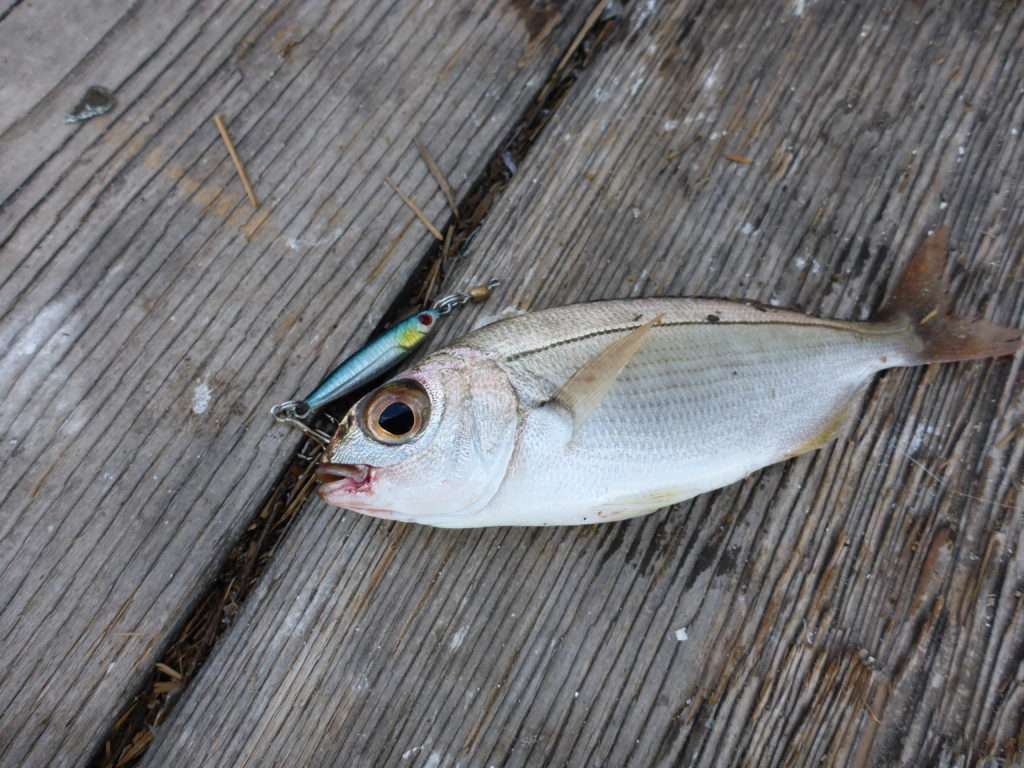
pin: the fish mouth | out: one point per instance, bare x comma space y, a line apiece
343, 478
326, 472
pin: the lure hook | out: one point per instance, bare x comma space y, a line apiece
290, 409
292, 412
453, 301
314, 453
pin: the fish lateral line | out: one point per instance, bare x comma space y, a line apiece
848, 326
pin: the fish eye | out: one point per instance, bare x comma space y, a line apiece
397, 418
396, 413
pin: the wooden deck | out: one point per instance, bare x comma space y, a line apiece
863, 605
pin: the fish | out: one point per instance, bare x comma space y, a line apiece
604, 411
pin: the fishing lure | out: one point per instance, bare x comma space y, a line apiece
384, 351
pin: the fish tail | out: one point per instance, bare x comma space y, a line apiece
922, 297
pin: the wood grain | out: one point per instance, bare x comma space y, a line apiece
150, 317
861, 605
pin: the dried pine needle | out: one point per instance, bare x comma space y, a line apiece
741, 159
415, 209
122, 720
136, 748
439, 177
166, 686
578, 40
432, 281
1005, 439
169, 671
226, 137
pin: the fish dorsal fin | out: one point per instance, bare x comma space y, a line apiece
583, 392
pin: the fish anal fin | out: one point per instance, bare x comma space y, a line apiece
584, 391
828, 431
634, 505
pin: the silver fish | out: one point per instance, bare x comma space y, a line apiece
604, 411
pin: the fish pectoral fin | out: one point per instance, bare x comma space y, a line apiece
584, 391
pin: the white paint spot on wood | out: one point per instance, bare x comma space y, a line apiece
410, 752
637, 79
295, 243
42, 327
457, 639
201, 397
670, 125
921, 435
295, 621
711, 78
799, 6
605, 91
747, 229
681, 635
645, 11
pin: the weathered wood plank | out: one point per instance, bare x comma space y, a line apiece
860, 605
150, 317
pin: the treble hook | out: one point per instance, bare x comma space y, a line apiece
316, 451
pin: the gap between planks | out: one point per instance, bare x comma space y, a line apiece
248, 559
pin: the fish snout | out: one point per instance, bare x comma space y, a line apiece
328, 472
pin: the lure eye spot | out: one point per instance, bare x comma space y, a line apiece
426, 319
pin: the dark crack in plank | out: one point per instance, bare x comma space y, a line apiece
150, 316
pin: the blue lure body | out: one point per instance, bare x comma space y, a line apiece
376, 357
